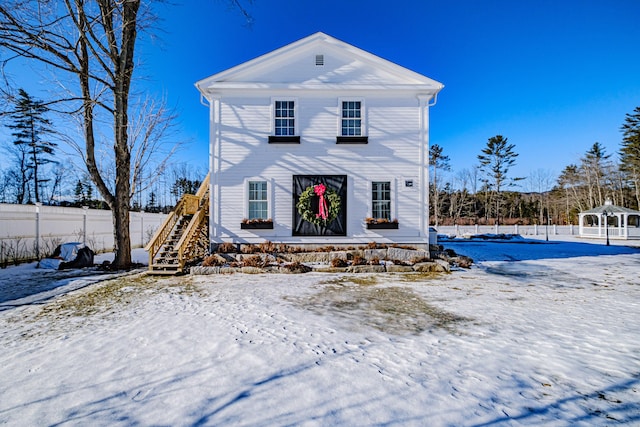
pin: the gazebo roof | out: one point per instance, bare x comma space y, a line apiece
612, 209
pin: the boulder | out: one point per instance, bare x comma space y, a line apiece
199, 270
344, 255
431, 267
394, 268
266, 258
251, 270
444, 265
366, 269
329, 269
370, 254
317, 257
462, 261
406, 254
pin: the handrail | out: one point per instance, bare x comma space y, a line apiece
204, 187
189, 204
192, 229
158, 239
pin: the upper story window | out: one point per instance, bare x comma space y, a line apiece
352, 123
351, 118
284, 122
381, 200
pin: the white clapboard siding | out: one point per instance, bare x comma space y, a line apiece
391, 154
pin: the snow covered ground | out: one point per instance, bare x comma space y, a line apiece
534, 334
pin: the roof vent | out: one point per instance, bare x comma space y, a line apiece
319, 60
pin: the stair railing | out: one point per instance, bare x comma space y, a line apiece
190, 235
189, 204
158, 239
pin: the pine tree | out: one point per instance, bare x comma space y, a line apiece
30, 130
593, 166
79, 193
437, 161
630, 151
495, 161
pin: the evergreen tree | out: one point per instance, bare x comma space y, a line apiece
78, 193
630, 151
30, 130
593, 167
152, 203
495, 161
437, 161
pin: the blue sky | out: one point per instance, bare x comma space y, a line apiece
553, 76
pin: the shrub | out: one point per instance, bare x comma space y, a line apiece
267, 247
297, 267
338, 262
212, 261
226, 248
252, 261
358, 260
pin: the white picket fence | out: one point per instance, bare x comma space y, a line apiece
32, 232
523, 230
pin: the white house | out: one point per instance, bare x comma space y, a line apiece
312, 141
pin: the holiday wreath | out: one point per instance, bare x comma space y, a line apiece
328, 204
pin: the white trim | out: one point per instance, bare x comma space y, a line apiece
364, 128
215, 161
423, 111
314, 43
296, 113
245, 197
393, 195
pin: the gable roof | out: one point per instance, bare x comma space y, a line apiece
612, 209
344, 67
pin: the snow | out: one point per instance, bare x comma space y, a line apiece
535, 333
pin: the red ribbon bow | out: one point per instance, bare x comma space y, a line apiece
323, 211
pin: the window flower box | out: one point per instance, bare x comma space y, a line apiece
256, 224
381, 224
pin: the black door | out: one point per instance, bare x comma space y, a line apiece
306, 204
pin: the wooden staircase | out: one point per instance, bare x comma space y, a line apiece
184, 235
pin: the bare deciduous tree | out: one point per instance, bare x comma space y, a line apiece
94, 41
92, 44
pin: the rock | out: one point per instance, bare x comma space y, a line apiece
406, 254
462, 261
317, 257
366, 269
344, 255
199, 270
266, 258
444, 264
370, 254
393, 268
450, 253
295, 268
251, 270
329, 269
431, 267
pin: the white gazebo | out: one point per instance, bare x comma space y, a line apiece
610, 221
